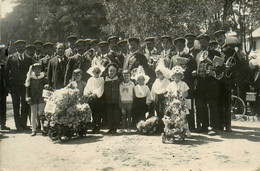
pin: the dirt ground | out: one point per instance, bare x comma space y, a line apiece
239, 150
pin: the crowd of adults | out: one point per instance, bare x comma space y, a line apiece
210, 83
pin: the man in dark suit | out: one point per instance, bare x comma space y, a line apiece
17, 66
207, 89
80, 61
57, 67
226, 83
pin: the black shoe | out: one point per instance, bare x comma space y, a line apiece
228, 129
5, 128
27, 128
201, 130
19, 129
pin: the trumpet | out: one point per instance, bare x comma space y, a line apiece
231, 61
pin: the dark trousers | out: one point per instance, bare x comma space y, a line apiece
2, 108
140, 108
224, 104
113, 116
159, 108
96, 106
190, 117
18, 99
207, 94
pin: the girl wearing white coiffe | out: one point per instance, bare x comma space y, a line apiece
94, 91
158, 90
34, 84
142, 94
181, 86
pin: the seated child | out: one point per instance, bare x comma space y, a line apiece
182, 87
126, 99
158, 90
142, 96
94, 92
34, 84
76, 82
111, 93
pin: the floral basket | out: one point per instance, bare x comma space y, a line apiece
65, 116
174, 118
148, 126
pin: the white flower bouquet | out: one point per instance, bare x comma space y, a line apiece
148, 126
66, 116
174, 118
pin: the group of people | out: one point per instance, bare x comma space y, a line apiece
123, 81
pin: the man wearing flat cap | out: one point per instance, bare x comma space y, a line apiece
71, 46
113, 54
167, 52
49, 53
150, 52
190, 39
134, 58
39, 51
227, 82
30, 51
94, 50
186, 61
78, 61
17, 66
122, 47
207, 88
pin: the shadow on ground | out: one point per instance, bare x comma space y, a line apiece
240, 132
83, 140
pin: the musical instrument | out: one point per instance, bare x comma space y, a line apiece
231, 61
212, 66
153, 59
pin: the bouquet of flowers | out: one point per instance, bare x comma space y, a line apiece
147, 127
174, 118
65, 115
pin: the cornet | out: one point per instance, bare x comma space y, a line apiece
231, 61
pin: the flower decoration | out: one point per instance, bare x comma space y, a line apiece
174, 118
147, 127
67, 117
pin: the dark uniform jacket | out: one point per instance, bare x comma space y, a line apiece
16, 70
77, 62
56, 72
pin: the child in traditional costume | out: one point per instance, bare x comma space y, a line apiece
34, 84
94, 93
158, 91
175, 121
126, 99
112, 98
142, 95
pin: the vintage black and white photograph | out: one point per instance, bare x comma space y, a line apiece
115, 85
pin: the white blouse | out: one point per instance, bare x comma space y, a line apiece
159, 87
95, 86
143, 91
181, 86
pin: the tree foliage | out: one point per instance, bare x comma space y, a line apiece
53, 20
